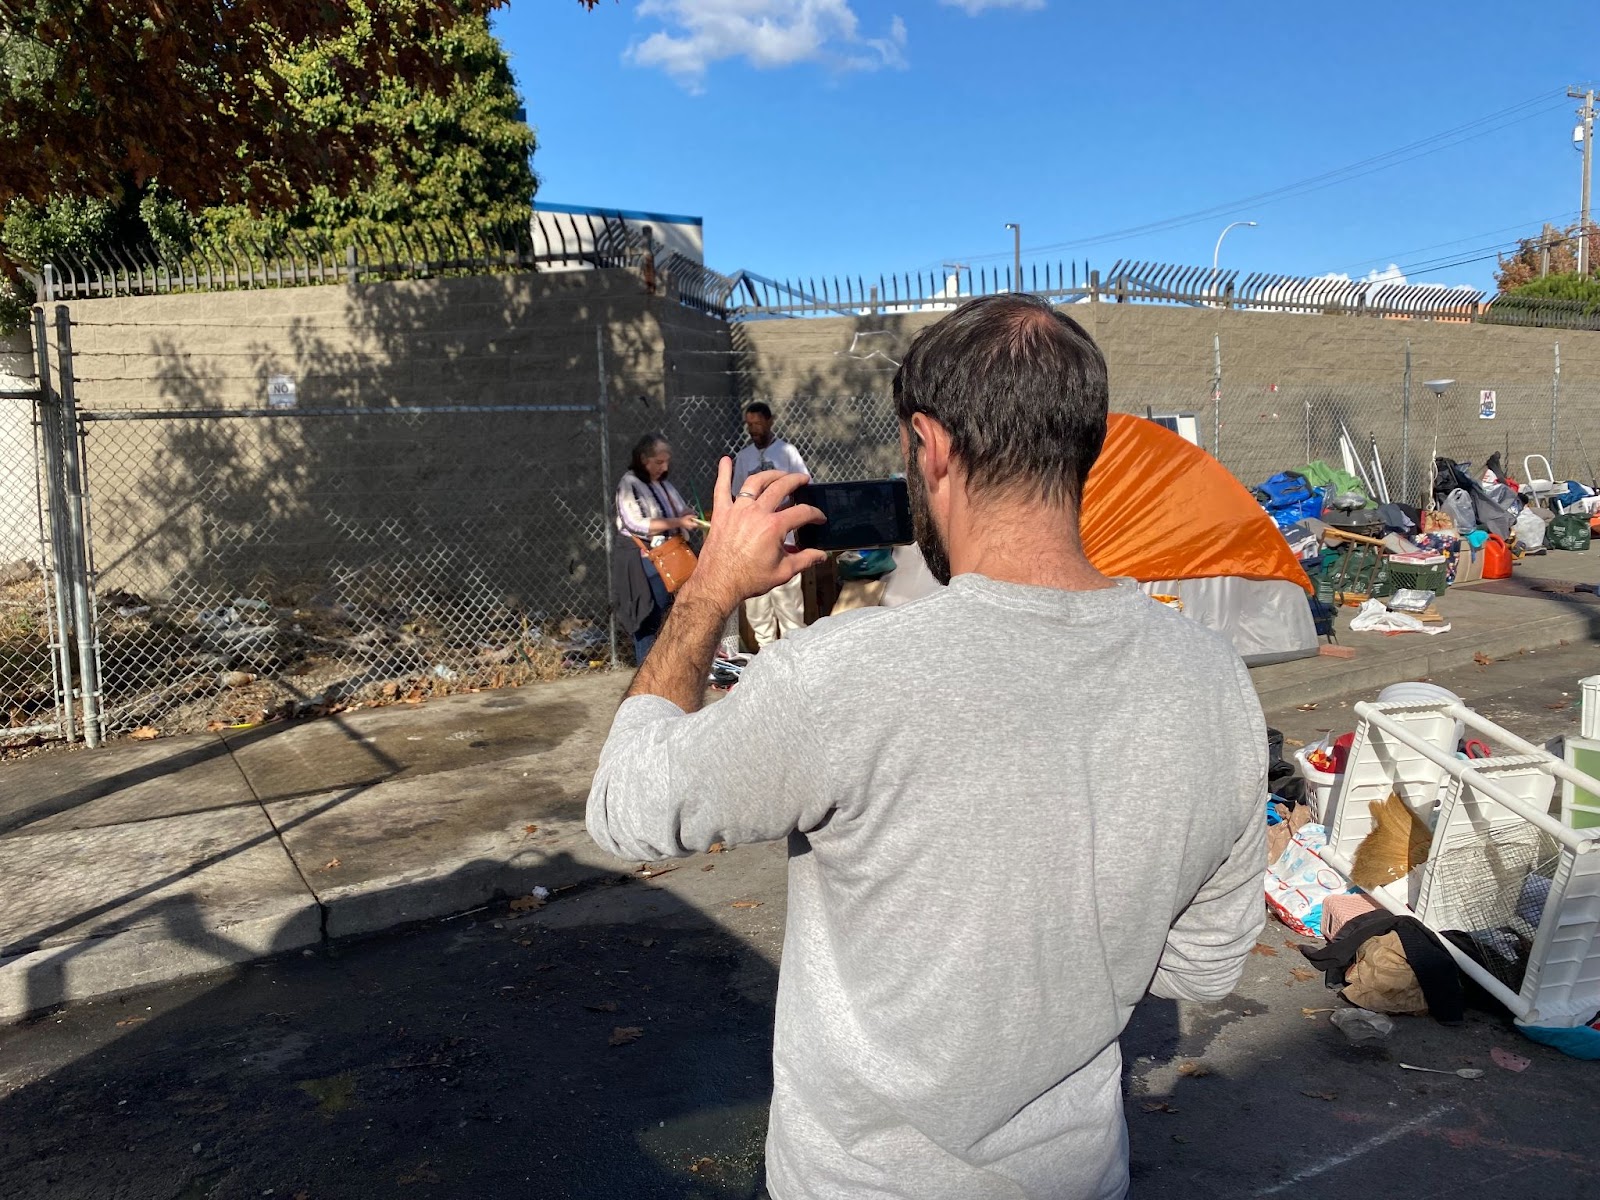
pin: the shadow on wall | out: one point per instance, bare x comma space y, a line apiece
434, 505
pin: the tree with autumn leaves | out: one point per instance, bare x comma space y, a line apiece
159, 123
1547, 266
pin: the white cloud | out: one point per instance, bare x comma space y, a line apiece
973, 7
765, 33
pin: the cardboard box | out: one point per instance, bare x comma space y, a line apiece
1469, 566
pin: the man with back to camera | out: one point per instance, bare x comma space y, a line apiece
986, 871
782, 610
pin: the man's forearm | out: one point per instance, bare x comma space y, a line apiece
679, 662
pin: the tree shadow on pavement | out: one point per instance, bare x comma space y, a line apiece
616, 1043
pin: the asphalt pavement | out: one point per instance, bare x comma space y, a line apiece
614, 1042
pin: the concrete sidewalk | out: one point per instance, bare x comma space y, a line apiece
150, 861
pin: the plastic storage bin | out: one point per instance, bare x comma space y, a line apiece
1320, 785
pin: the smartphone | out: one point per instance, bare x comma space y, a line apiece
861, 516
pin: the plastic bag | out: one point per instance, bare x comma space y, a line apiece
1530, 529
1375, 617
1568, 532
1299, 881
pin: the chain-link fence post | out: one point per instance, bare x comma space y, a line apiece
603, 402
83, 616
1555, 406
1216, 396
51, 439
1405, 430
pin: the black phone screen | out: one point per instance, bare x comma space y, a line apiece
861, 516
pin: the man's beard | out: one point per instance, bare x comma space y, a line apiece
929, 542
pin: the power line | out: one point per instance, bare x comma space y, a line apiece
1479, 127
1379, 259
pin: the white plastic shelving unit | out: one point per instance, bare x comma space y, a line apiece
1409, 749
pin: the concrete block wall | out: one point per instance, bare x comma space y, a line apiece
19, 498
1273, 367
272, 505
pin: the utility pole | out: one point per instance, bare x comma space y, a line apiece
1016, 256
1586, 115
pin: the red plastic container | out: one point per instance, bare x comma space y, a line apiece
1496, 558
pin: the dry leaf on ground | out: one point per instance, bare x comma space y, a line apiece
1263, 949
126, 1021
715, 848
709, 867
1161, 1106
747, 904
1303, 974
701, 1164
528, 903
1194, 1070
1482, 659
1508, 1060
1307, 707
332, 864
145, 733
530, 829
623, 1034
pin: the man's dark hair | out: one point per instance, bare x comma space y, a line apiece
643, 449
761, 409
1020, 387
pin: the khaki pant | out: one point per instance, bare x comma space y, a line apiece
782, 610
859, 593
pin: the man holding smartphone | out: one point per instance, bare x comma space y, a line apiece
781, 611
986, 874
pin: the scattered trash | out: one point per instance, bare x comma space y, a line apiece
746, 904
126, 1021
440, 671
1375, 617
1307, 707
1311, 1014
1464, 1072
530, 829
715, 848
237, 679
1362, 1025
1193, 1070
701, 1164
1508, 1060
623, 1034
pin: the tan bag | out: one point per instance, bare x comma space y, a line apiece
674, 561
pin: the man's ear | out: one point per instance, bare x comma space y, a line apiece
931, 441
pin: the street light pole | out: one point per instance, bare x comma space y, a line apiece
1217, 250
1016, 256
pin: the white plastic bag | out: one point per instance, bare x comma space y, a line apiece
1529, 528
1375, 617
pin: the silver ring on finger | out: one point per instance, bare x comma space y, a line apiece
745, 496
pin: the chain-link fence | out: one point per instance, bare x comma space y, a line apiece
266, 536
840, 437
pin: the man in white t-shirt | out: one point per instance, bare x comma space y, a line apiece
782, 610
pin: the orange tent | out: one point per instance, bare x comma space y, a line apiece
1158, 507
1163, 512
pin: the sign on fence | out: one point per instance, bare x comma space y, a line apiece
1486, 404
281, 392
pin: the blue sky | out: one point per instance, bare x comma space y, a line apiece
865, 136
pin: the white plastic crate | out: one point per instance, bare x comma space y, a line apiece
1589, 692
1500, 868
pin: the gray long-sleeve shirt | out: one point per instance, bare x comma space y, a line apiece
1011, 811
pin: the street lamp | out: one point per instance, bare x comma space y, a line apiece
1438, 387
1016, 255
1217, 250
